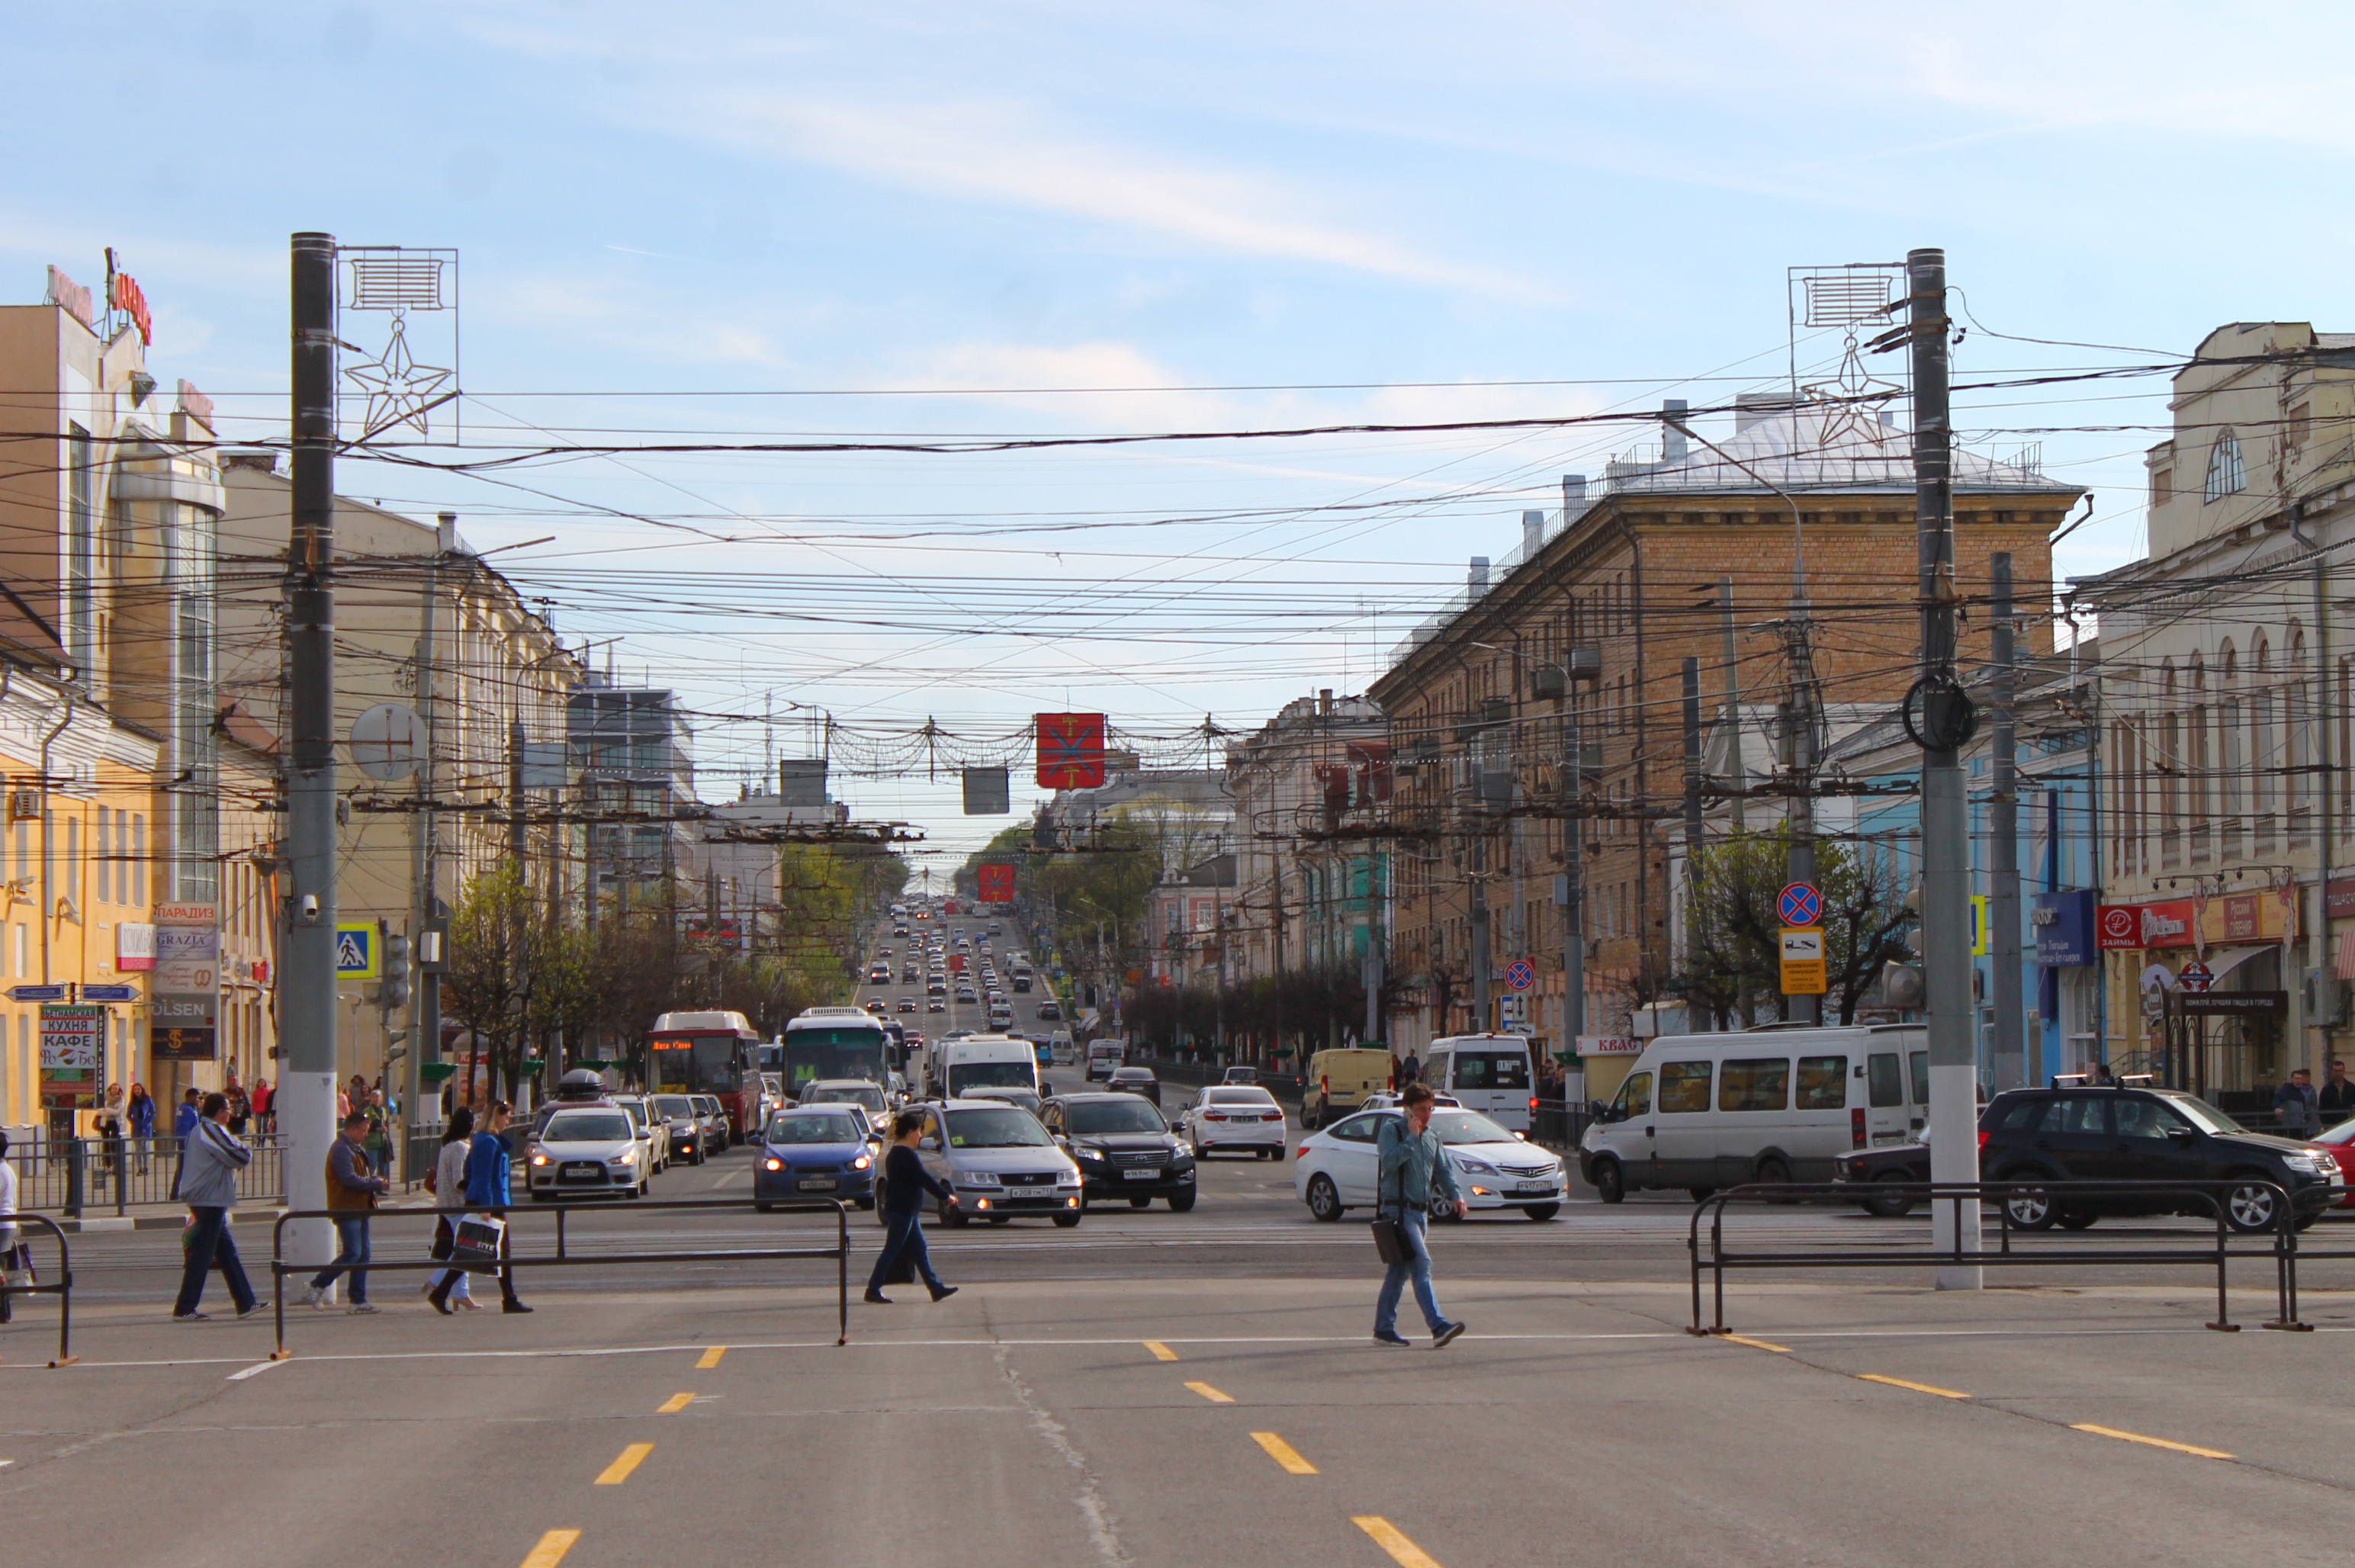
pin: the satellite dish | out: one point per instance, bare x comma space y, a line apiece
387, 741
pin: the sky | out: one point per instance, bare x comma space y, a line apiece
741, 223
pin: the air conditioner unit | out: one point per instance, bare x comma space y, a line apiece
1585, 663
1548, 681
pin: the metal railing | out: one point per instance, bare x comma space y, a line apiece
1559, 1126
563, 1257
1968, 1249
61, 1286
77, 1175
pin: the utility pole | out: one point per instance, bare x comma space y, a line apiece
1736, 774
1939, 712
306, 989
1570, 891
519, 832
1799, 737
1481, 1023
425, 990
2008, 1066
1693, 771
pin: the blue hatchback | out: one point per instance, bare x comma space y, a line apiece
817, 1151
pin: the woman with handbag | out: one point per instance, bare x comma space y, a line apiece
1410, 1163
447, 1182
486, 1186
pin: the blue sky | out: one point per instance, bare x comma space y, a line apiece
971, 203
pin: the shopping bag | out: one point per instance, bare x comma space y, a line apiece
476, 1245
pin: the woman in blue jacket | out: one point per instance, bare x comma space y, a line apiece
486, 1186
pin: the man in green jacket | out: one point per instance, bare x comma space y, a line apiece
1412, 1163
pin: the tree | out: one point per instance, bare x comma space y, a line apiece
1733, 949
491, 938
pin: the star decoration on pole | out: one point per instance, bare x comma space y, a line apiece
399, 390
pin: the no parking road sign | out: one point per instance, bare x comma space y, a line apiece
1520, 974
1801, 904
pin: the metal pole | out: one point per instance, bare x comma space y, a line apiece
1799, 857
1572, 893
306, 991
425, 985
2326, 781
1693, 771
1941, 715
1480, 961
1736, 774
2008, 1066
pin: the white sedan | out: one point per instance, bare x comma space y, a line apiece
1233, 1116
1494, 1169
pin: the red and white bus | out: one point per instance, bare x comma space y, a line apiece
708, 1054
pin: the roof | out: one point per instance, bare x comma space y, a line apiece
1814, 447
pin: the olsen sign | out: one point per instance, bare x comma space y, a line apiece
2172, 923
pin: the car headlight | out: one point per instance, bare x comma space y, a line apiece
862, 1162
628, 1156
979, 1178
1474, 1167
539, 1158
1080, 1151
773, 1164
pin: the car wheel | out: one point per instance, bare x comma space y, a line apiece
1181, 1202
764, 1208
1542, 1210
1610, 1182
1140, 1203
956, 1218
1324, 1199
2031, 1212
2250, 1206
1067, 1222
1440, 1209
1700, 1194
1772, 1172
999, 1219
2078, 1219
864, 1202
1892, 1206
2305, 1221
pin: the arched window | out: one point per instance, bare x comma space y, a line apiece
2224, 473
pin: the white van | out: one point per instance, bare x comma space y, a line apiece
1706, 1111
1484, 1073
986, 1062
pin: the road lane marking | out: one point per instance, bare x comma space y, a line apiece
552, 1548
1213, 1396
1284, 1453
1755, 1344
710, 1358
675, 1404
1391, 1539
2151, 1442
619, 1470
1161, 1352
254, 1371
1917, 1388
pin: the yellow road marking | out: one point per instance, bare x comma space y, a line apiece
1283, 1453
619, 1470
2152, 1442
675, 1404
552, 1548
1917, 1388
1755, 1344
1161, 1352
1213, 1396
710, 1358
1391, 1539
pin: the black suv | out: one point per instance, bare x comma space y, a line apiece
2123, 1135
1124, 1148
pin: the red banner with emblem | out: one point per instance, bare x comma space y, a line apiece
1071, 751
994, 882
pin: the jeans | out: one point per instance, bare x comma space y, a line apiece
1411, 1223
210, 1245
904, 1232
352, 1253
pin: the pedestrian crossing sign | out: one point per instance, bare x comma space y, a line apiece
355, 950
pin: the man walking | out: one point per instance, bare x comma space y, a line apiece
209, 1160
486, 1186
2337, 1094
351, 1193
184, 1120
905, 1182
1411, 1162
2296, 1108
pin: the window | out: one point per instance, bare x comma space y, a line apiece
1684, 1086
105, 847
1887, 1084
2225, 476
1920, 1062
1634, 1097
1358, 1129
2025, 1115
2076, 1114
1823, 1083
2162, 485
82, 531
73, 860
2148, 1119
1758, 1084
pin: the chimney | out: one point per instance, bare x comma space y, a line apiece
1532, 534
1752, 408
1573, 495
1325, 701
1477, 579
1672, 440
446, 532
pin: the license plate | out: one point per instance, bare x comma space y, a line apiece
582, 1170
1140, 1175
1537, 1187
817, 1184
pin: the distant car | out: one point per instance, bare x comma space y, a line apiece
1135, 1080
1335, 1167
1022, 1097
2340, 1141
1000, 1162
871, 1098
1240, 1075
653, 1133
880, 1004
935, 1005
712, 1117
686, 1128
906, 1005
1884, 1167
1391, 1100
1047, 1009
587, 1151
1124, 1148
1233, 1116
820, 1151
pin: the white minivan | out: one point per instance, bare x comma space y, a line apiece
1484, 1073
1780, 1103
986, 1062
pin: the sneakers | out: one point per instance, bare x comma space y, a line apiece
363, 1309
315, 1298
876, 1298
192, 1316
250, 1311
1392, 1342
1447, 1336
944, 1292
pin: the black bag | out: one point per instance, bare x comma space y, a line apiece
1390, 1240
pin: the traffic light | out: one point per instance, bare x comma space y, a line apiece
392, 991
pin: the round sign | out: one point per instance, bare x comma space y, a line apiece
387, 741
2194, 976
2118, 924
1520, 974
1801, 904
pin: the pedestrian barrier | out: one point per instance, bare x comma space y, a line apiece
563, 1257
1967, 1199
75, 1176
61, 1287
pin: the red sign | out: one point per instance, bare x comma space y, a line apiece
1071, 751
74, 298
996, 881
2195, 976
124, 294
2165, 924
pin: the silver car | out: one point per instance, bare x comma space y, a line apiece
685, 1127
587, 1151
1000, 1162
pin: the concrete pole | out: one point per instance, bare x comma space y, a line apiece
1941, 714
1572, 893
2008, 1068
1481, 1022
306, 989
1736, 774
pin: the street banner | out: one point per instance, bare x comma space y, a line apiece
72, 1037
1071, 751
995, 882
1803, 970
987, 792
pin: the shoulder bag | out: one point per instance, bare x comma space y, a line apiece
1389, 1230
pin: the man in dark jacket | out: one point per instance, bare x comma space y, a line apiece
351, 1193
2337, 1094
905, 1182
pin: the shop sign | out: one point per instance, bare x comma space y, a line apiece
72, 1037
2165, 925
73, 297
2063, 923
124, 294
1609, 1045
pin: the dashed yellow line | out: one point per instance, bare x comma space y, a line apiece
1213, 1396
2151, 1442
619, 1470
1284, 1453
675, 1404
1392, 1539
1161, 1352
710, 1358
1917, 1388
1755, 1344
552, 1548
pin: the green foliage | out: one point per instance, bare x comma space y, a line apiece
1733, 959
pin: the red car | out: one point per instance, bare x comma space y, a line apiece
2340, 1141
